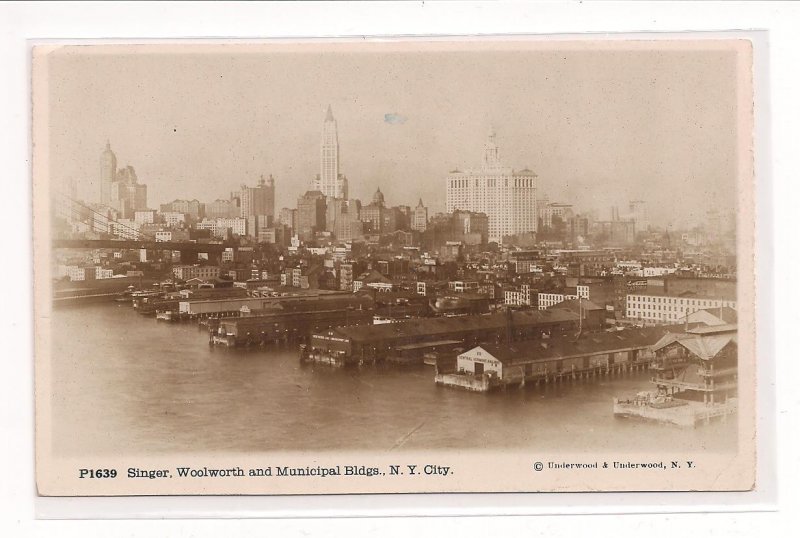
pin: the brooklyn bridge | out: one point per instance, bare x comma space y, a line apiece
128, 237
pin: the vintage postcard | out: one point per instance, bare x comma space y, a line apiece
396, 266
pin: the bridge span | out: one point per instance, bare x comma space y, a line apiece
182, 246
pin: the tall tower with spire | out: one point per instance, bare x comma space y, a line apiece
331, 183
419, 218
108, 173
491, 151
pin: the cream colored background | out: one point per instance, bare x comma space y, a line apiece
496, 471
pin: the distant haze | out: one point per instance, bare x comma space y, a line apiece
599, 127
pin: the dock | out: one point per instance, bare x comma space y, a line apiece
557, 358
678, 412
696, 379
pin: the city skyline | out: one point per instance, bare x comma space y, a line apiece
402, 136
340, 236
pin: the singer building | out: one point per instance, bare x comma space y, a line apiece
506, 196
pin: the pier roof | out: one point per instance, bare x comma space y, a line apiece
427, 327
704, 343
566, 346
725, 314
584, 305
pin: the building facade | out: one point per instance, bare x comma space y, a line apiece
191, 208
330, 181
224, 209
146, 216
561, 212
108, 171
222, 227
519, 296
186, 272
120, 188
288, 217
311, 210
506, 196
258, 201
660, 308
419, 217
374, 215
470, 227
637, 212
546, 300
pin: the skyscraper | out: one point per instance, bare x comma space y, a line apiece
637, 212
330, 182
127, 194
373, 215
311, 209
120, 188
506, 196
419, 218
258, 201
108, 172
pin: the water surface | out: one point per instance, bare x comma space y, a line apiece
132, 384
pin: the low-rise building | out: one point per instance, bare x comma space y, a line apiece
520, 296
462, 286
145, 216
548, 299
657, 307
203, 272
173, 218
489, 366
422, 288
171, 235
100, 273
346, 276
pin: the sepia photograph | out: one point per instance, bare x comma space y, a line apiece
442, 265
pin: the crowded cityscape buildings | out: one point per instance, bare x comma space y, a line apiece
501, 242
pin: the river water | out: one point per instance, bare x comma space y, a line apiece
132, 384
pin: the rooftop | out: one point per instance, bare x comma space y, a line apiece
659, 292
704, 343
573, 305
568, 345
426, 327
713, 329
725, 314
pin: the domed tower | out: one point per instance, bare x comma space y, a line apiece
108, 173
378, 199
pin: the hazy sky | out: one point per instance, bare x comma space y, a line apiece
599, 127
